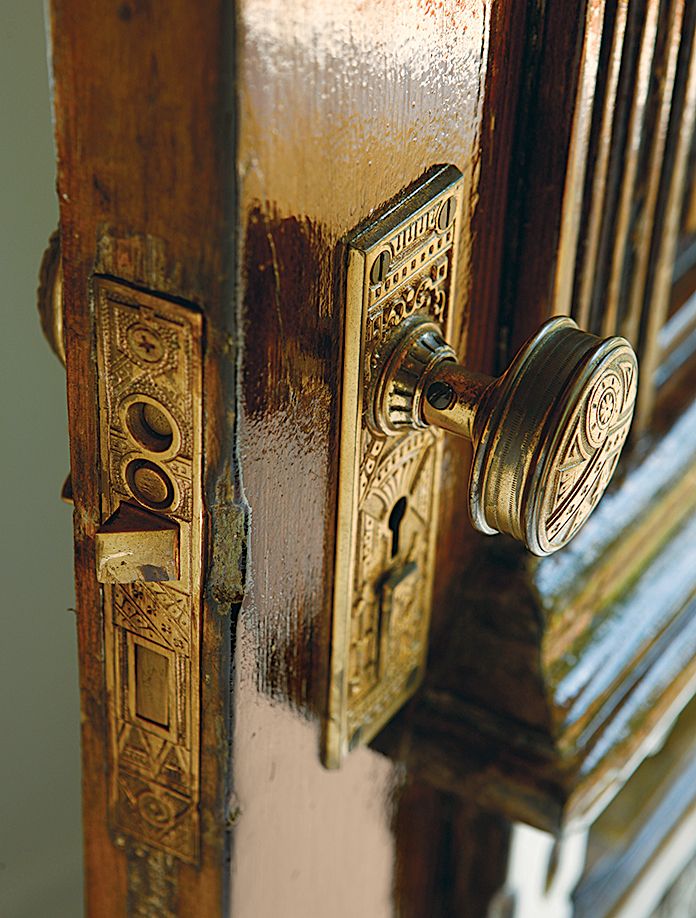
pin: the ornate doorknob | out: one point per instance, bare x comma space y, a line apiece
50, 296
546, 435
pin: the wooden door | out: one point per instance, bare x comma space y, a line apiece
212, 157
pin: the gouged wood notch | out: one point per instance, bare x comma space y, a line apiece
149, 353
402, 264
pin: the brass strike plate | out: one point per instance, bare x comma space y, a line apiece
402, 264
149, 355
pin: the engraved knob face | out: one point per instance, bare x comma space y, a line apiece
547, 434
549, 439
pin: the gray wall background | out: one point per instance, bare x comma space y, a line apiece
40, 831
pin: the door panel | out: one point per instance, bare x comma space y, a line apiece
176, 104
216, 157
399, 88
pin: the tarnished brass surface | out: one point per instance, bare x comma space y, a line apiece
547, 434
401, 266
149, 353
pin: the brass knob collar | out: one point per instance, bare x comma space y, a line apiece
409, 359
469, 390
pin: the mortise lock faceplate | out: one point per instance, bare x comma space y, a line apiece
148, 554
147, 550
402, 265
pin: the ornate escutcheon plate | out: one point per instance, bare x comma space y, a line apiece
404, 263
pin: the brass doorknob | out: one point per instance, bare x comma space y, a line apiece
546, 435
50, 296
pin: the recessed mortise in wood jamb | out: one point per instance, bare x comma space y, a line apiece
402, 264
149, 354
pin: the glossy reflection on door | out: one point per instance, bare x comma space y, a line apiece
342, 107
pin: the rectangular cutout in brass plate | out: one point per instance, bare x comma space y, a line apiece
149, 357
402, 264
151, 670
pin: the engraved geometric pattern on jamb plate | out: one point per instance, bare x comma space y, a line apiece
157, 816
152, 347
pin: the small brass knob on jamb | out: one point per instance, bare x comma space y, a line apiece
50, 297
546, 435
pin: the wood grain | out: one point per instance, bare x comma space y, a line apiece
145, 166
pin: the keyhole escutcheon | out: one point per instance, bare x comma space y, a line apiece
395, 519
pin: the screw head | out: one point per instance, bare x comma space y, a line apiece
145, 343
380, 268
446, 215
440, 395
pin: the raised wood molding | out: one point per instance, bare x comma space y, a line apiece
556, 677
546, 695
595, 200
645, 838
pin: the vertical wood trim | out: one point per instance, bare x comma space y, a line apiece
629, 176
577, 160
145, 140
601, 170
105, 868
549, 135
630, 327
503, 83
609, 262
659, 290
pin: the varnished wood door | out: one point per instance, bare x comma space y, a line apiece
213, 156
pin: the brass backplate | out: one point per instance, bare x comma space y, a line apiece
149, 353
404, 263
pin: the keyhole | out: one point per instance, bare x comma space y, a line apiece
395, 520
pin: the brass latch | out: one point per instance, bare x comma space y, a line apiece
135, 545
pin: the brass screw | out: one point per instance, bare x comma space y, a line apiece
440, 395
446, 215
380, 268
145, 343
